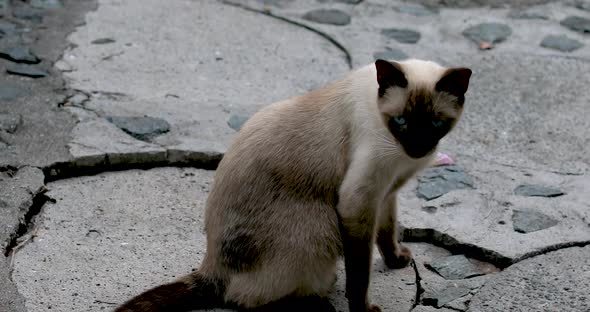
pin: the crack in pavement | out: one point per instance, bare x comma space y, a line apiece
74, 168
419, 288
26, 225
446, 241
324, 35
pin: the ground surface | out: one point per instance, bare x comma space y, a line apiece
106, 159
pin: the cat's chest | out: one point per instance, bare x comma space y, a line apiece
392, 172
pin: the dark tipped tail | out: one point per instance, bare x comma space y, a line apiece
195, 291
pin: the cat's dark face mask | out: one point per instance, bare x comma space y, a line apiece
427, 115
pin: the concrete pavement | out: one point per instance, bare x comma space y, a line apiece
143, 84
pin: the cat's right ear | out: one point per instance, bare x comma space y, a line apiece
389, 74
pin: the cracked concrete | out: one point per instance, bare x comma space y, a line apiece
198, 64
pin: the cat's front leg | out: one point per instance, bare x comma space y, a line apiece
357, 216
392, 251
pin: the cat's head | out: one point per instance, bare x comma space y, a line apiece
420, 102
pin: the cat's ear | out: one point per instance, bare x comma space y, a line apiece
389, 74
455, 81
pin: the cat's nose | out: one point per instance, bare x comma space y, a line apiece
420, 149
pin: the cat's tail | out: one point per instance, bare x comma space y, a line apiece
194, 291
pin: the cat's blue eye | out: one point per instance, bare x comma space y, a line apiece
437, 123
399, 120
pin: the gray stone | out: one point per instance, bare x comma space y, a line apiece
142, 128
7, 28
430, 209
328, 16
437, 181
456, 267
236, 121
19, 54
10, 92
415, 9
422, 308
444, 296
28, 13
103, 41
561, 43
468, 221
391, 54
31, 71
345, 1
95, 140
523, 14
488, 32
43, 141
582, 5
9, 122
436, 290
577, 23
556, 281
402, 35
47, 4
526, 220
537, 190
461, 303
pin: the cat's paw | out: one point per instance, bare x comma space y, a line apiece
373, 308
400, 259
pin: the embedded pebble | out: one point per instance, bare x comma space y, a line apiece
19, 54
103, 41
537, 190
391, 54
561, 43
47, 4
583, 5
142, 128
328, 16
488, 33
28, 13
7, 28
521, 14
10, 92
437, 181
26, 70
401, 35
342, 1
527, 220
415, 9
236, 121
457, 267
577, 23
446, 295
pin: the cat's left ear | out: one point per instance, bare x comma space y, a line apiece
455, 81
389, 74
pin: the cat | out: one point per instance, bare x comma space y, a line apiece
312, 178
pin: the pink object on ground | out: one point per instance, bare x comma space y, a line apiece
443, 159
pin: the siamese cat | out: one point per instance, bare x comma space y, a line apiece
313, 178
